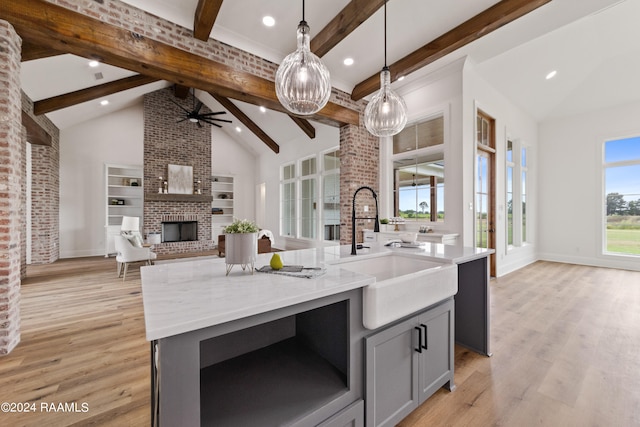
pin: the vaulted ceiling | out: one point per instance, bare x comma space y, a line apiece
423, 35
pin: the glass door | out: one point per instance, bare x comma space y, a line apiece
485, 187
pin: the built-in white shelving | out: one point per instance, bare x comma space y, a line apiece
123, 197
222, 205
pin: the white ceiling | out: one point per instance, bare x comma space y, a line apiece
592, 45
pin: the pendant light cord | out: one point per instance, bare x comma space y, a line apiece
303, 20
385, 34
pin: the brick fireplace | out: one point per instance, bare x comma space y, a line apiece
167, 142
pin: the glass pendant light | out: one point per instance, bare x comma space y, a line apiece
303, 83
386, 113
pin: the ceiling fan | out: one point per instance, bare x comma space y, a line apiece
194, 116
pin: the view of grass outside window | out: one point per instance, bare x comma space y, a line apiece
622, 196
509, 199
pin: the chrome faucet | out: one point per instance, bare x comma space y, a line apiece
376, 225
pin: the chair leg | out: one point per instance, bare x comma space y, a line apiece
119, 268
124, 276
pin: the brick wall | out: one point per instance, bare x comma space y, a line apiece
167, 142
11, 193
45, 191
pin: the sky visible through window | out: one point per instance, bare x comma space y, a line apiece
623, 179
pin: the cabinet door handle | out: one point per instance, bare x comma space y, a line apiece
426, 343
419, 349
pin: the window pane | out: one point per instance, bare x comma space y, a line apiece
427, 133
622, 200
524, 157
509, 205
524, 206
288, 172
308, 166
332, 160
430, 133
509, 151
331, 206
622, 149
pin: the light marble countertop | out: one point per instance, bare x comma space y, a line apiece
180, 297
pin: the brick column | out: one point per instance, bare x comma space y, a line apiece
10, 186
359, 160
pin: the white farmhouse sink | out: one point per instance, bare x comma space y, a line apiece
403, 286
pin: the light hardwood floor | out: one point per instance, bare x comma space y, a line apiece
565, 339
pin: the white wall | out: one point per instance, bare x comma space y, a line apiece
571, 185
228, 157
327, 137
84, 149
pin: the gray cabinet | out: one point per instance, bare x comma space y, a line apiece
408, 362
472, 306
352, 416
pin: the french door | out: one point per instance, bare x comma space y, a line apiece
485, 186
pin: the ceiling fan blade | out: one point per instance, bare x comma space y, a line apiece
199, 124
181, 107
212, 114
196, 110
186, 118
217, 120
211, 123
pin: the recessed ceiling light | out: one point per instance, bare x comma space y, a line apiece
262, 109
269, 21
551, 75
238, 129
104, 102
93, 64
401, 78
348, 61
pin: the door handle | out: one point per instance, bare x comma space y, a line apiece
419, 349
426, 343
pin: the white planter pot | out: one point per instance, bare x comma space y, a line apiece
241, 248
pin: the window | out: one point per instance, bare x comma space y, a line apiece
301, 190
516, 193
308, 196
331, 195
524, 194
288, 201
622, 196
418, 166
509, 200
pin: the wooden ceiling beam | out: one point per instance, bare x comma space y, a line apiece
205, 17
59, 102
35, 133
55, 27
349, 18
245, 120
305, 126
180, 91
480, 25
32, 51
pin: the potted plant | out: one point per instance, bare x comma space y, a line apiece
383, 223
241, 244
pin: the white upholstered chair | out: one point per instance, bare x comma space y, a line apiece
126, 253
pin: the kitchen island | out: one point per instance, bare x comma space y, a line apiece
265, 349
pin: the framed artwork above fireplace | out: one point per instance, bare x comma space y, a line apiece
180, 179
